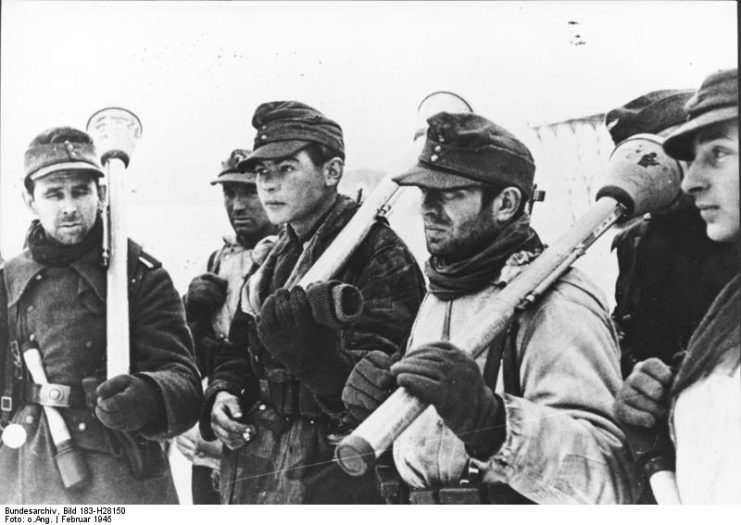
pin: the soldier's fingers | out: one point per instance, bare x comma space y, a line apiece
422, 387
657, 369
421, 367
231, 407
632, 416
643, 404
646, 385
113, 386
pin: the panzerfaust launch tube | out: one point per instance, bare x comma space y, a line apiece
641, 178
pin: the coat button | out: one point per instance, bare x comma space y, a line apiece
38, 277
29, 309
82, 427
29, 420
89, 344
261, 407
311, 421
263, 137
438, 148
433, 158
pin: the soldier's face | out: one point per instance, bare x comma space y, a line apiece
712, 180
246, 214
293, 189
66, 203
456, 224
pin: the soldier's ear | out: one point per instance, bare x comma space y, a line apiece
29, 201
102, 192
332, 171
507, 203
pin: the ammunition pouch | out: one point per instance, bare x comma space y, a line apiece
287, 396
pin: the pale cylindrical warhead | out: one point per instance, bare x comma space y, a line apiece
115, 132
641, 176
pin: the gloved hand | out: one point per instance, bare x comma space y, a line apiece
129, 403
369, 384
334, 304
642, 399
447, 378
206, 293
287, 329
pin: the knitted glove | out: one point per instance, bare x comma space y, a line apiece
206, 293
642, 399
447, 378
308, 350
130, 403
369, 384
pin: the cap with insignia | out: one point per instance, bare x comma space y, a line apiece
230, 171
285, 127
650, 113
465, 149
715, 101
59, 149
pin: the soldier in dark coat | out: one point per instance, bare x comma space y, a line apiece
670, 271
53, 298
276, 404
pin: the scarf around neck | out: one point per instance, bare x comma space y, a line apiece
48, 251
451, 280
716, 341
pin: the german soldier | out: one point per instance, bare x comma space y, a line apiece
213, 297
52, 299
278, 406
532, 421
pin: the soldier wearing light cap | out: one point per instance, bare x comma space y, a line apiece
531, 420
701, 400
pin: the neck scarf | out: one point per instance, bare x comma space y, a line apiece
50, 252
716, 341
451, 280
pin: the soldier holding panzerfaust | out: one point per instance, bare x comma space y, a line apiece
275, 398
531, 420
53, 301
213, 298
670, 271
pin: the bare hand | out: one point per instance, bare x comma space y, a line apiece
224, 415
642, 399
187, 443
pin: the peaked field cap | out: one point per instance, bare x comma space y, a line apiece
59, 149
285, 127
465, 149
650, 113
229, 169
715, 101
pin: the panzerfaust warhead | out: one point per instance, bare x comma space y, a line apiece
115, 132
641, 178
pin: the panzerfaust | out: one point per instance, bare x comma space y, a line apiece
115, 132
641, 178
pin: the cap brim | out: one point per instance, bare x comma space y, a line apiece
247, 177
65, 166
429, 178
679, 144
272, 150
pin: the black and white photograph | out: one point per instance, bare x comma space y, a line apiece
370, 253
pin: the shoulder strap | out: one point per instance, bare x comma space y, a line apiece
503, 350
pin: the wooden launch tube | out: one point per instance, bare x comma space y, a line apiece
641, 178
115, 132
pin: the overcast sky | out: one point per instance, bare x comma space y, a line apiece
195, 71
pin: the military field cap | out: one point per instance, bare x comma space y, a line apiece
716, 101
60, 149
285, 127
649, 113
230, 171
465, 149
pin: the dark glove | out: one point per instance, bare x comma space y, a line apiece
642, 399
446, 377
641, 409
130, 403
206, 293
287, 329
369, 384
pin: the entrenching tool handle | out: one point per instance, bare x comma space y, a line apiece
70, 462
